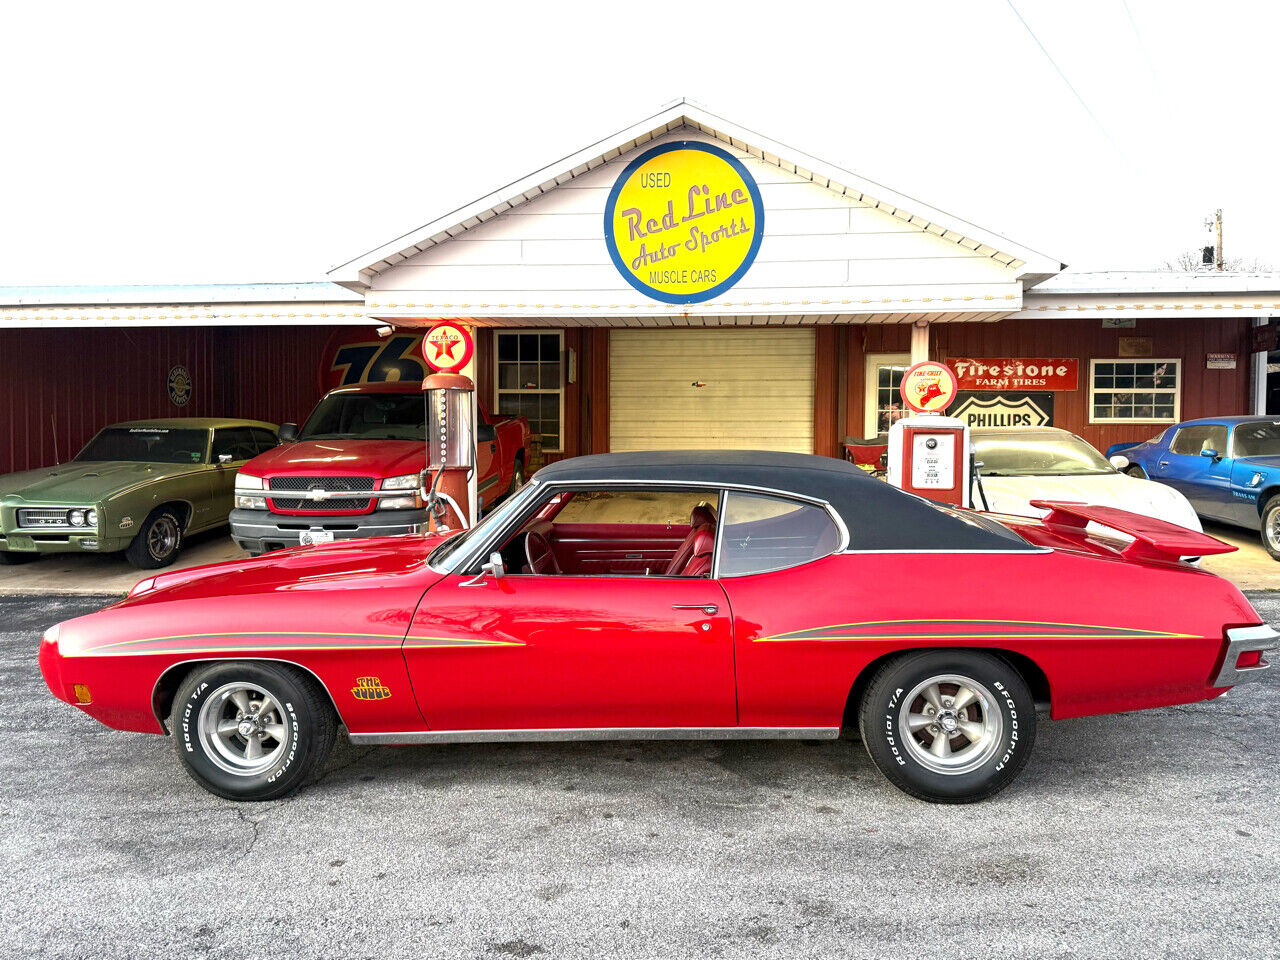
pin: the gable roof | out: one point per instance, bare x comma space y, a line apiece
1031, 266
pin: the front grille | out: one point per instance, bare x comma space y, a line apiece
42, 517
328, 485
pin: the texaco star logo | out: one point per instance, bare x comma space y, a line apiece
447, 346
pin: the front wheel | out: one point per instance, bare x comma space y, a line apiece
158, 542
251, 730
1136, 472
948, 726
1271, 527
517, 477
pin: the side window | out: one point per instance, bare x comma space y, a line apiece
1189, 440
670, 507
237, 441
1217, 439
263, 440
762, 533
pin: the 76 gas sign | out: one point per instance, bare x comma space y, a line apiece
348, 362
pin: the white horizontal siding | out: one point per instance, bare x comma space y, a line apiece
817, 245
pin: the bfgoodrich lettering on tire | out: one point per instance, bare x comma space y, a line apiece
949, 726
251, 730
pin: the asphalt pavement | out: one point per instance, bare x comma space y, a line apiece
1138, 835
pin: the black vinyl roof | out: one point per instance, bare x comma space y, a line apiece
878, 516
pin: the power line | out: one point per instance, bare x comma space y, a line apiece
1070, 86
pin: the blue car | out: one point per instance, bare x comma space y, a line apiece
1228, 467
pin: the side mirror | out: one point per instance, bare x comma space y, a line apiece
495, 567
224, 458
1118, 461
288, 432
1211, 454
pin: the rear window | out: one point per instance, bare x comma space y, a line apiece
762, 533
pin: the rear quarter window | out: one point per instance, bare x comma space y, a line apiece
762, 533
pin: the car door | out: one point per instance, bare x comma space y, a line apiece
239, 444
1204, 481
527, 651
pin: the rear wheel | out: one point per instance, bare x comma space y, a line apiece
948, 726
517, 476
251, 731
1271, 527
158, 542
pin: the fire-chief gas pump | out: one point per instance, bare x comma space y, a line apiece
929, 454
451, 417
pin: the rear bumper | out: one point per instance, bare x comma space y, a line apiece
1242, 640
259, 531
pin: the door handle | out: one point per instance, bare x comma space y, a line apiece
1164, 463
710, 609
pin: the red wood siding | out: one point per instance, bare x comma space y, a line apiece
62, 386
1205, 393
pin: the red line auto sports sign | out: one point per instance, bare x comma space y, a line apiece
1016, 373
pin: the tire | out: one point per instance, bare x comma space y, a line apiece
971, 770
1137, 472
158, 541
517, 476
294, 736
1270, 532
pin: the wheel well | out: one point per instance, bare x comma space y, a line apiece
167, 685
182, 507
1036, 680
1266, 495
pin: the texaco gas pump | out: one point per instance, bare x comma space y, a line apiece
929, 454
450, 491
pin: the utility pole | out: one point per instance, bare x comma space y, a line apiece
1217, 218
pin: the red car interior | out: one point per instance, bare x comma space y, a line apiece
584, 549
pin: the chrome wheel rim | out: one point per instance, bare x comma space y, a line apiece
162, 537
951, 724
242, 729
1273, 530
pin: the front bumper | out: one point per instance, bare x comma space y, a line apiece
1243, 640
59, 541
259, 531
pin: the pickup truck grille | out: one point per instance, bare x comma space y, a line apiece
302, 489
42, 517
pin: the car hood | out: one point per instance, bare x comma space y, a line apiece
88, 482
1146, 497
330, 566
326, 458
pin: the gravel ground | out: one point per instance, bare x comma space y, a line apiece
1136, 835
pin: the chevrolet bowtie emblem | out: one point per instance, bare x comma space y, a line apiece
316, 494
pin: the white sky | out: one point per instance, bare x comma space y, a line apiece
250, 142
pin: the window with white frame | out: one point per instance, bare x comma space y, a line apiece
530, 381
1134, 391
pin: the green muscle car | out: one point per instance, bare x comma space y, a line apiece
139, 487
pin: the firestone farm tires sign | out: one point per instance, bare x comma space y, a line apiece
683, 222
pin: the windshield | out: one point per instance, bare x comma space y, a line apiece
146, 445
448, 554
1046, 455
370, 416
1258, 438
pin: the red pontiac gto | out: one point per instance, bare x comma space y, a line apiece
672, 595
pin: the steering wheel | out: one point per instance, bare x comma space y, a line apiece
537, 550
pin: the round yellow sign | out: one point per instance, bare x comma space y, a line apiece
683, 222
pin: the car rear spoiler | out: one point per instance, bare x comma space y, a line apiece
1152, 539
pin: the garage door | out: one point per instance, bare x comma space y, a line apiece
719, 387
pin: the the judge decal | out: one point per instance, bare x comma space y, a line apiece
683, 222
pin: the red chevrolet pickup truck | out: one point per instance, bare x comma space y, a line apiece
353, 470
